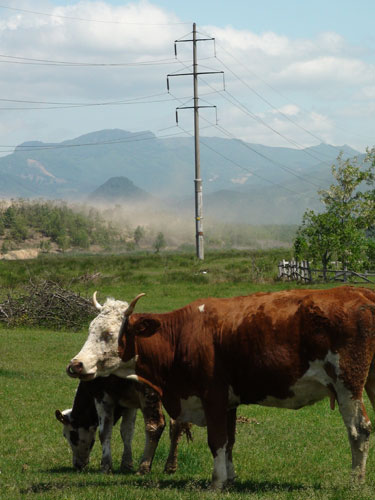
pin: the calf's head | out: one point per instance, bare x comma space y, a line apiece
99, 355
81, 439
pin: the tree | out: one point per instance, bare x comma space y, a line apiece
139, 233
341, 232
159, 242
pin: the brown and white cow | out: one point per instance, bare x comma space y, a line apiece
101, 403
284, 349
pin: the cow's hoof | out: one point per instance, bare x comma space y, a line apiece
143, 470
106, 469
170, 469
126, 468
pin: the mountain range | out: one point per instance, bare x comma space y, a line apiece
242, 182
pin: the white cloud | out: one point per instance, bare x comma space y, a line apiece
241, 180
314, 84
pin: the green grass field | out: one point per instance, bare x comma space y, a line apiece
279, 454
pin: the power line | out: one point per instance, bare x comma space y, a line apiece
265, 157
39, 147
280, 165
102, 21
246, 169
29, 101
287, 99
244, 109
50, 62
270, 104
47, 105
115, 103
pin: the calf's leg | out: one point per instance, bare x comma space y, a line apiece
154, 427
105, 410
127, 433
176, 429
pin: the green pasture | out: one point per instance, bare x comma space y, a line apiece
279, 454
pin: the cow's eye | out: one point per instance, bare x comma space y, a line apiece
106, 335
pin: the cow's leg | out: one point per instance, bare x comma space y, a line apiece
105, 410
127, 433
359, 427
215, 408
154, 427
176, 429
231, 424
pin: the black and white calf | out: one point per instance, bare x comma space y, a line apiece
102, 402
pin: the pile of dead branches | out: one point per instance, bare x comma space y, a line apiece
47, 304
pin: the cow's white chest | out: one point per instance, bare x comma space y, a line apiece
310, 388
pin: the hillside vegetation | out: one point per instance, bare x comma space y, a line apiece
57, 227
51, 225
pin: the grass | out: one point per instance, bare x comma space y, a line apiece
279, 454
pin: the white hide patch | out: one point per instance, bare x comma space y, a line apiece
192, 408
219, 475
201, 308
311, 387
99, 354
127, 370
192, 411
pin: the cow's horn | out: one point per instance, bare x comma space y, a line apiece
132, 304
96, 303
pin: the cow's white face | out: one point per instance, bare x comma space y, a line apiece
99, 355
80, 439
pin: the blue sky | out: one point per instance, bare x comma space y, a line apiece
297, 73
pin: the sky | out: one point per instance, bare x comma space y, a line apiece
296, 74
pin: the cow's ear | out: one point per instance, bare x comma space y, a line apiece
61, 417
146, 326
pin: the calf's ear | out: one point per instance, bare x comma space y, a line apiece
146, 326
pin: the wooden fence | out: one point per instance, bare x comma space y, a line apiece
301, 271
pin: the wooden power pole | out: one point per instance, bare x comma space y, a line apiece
197, 180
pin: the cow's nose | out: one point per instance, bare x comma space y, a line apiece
74, 369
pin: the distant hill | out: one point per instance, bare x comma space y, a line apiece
118, 190
241, 181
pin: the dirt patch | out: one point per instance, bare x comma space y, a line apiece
30, 253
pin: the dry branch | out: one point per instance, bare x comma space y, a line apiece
47, 304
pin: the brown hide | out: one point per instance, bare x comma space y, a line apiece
260, 344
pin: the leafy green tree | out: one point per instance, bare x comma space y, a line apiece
340, 232
80, 239
63, 242
159, 242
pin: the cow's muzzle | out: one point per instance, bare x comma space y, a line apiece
74, 369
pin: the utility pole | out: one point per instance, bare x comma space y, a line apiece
199, 242
197, 180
